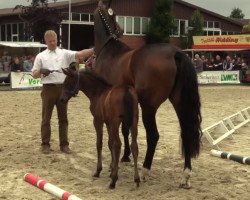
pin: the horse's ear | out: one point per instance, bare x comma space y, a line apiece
110, 1
100, 3
73, 66
68, 72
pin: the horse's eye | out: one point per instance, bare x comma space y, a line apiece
110, 11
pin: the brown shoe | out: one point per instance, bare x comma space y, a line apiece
45, 149
65, 149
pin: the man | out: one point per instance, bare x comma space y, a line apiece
48, 66
198, 64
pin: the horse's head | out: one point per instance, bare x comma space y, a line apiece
105, 19
71, 83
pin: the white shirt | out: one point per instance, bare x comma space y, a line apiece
54, 60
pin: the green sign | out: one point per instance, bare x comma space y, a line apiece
229, 77
34, 81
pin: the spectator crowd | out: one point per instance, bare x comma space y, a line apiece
202, 63
16, 63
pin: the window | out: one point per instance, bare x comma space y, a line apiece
211, 33
12, 32
181, 28
137, 25
21, 33
14, 28
210, 24
92, 18
216, 24
120, 21
212, 28
133, 25
75, 16
84, 17
3, 35
8, 32
144, 25
129, 25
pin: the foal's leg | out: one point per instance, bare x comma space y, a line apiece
116, 150
110, 147
99, 135
125, 133
134, 149
148, 117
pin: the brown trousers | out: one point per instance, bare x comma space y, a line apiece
51, 97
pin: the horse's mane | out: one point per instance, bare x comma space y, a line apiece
115, 47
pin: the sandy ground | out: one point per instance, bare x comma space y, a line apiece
213, 178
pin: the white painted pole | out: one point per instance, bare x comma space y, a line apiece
229, 156
48, 187
69, 24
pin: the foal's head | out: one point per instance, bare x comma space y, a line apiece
71, 83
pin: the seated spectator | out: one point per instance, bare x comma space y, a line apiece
1, 65
217, 66
210, 65
28, 63
244, 65
198, 64
16, 66
6, 64
227, 64
206, 65
238, 64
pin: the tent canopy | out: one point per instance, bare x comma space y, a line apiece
23, 44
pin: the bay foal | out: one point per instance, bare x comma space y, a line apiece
109, 105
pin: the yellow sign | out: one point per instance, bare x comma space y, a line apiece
222, 40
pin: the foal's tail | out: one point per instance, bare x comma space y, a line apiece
188, 110
128, 116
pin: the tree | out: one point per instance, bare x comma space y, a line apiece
237, 13
161, 23
39, 17
195, 28
246, 28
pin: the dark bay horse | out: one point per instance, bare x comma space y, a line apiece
109, 105
157, 72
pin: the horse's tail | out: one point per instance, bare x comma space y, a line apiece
128, 114
188, 110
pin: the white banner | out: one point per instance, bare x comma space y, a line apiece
24, 80
220, 77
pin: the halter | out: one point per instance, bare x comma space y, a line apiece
76, 88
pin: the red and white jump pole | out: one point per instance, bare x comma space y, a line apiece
229, 156
52, 189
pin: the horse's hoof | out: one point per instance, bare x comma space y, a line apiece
96, 175
145, 174
185, 186
137, 181
125, 159
111, 186
185, 182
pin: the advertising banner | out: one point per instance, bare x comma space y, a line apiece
219, 77
222, 41
23, 80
